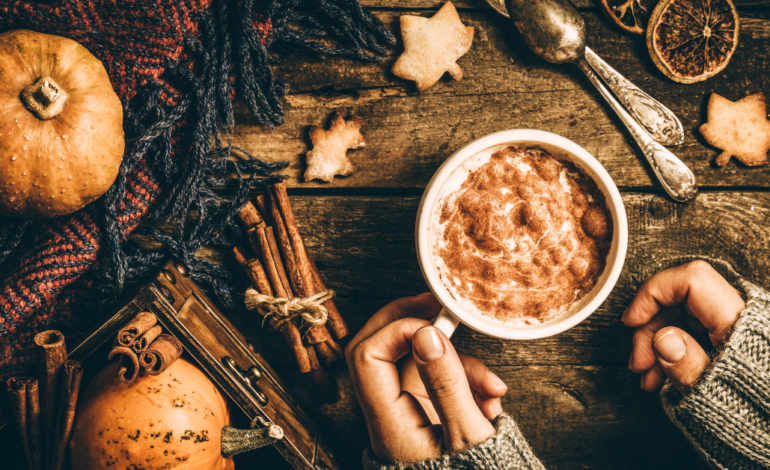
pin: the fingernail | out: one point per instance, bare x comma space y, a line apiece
498, 383
425, 294
671, 347
496, 408
625, 312
427, 344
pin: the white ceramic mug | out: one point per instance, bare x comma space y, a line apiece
561, 148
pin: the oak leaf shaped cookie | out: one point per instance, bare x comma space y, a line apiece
328, 157
740, 129
432, 47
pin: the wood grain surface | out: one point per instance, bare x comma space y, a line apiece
576, 401
504, 86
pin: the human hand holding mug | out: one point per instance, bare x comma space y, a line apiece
439, 401
693, 297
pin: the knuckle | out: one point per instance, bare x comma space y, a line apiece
699, 269
358, 355
444, 386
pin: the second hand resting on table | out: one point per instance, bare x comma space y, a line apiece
439, 402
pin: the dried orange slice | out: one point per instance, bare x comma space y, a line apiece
631, 15
692, 40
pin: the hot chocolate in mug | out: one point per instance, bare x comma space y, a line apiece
562, 149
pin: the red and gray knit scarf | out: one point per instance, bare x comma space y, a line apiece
176, 65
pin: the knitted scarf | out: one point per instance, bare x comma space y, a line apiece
176, 65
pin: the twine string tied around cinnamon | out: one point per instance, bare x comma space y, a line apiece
310, 310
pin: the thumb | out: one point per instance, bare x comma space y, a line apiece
445, 381
680, 357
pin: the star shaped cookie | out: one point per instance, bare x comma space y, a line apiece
329, 155
432, 47
740, 129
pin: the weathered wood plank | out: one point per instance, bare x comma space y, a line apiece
504, 86
468, 4
572, 394
365, 248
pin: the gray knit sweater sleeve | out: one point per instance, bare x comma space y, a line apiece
506, 450
727, 414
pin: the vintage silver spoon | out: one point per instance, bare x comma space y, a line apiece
660, 122
556, 31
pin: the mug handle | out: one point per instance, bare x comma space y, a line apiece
446, 322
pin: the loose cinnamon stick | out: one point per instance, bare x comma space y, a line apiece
51, 353
278, 191
17, 391
129, 363
250, 216
162, 353
68, 400
135, 328
146, 339
34, 423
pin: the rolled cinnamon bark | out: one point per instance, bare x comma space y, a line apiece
259, 201
129, 363
278, 192
339, 351
284, 243
289, 330
71, 378
34, 423
162, 353
51, 353
317, 334
261, 246
314, 364
17, 391
250, 216
335, 318
135, 328
325, 353
146, 339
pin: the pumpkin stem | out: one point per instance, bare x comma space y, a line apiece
235, 441
45, 98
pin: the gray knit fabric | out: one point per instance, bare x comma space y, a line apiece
726, 415
506, 450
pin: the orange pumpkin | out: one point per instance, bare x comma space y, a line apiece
61, 126
173, 421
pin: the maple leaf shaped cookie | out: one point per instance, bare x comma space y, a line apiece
740, 129
328, 157
432, 47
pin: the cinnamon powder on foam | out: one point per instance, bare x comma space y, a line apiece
524, 238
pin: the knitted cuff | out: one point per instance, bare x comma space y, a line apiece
727, 414
506, 450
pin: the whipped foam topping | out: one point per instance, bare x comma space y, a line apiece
519, 235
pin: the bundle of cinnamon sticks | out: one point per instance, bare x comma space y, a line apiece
282, 269
142, 343
44, 406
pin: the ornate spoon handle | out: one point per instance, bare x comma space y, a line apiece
660, 122
677, 179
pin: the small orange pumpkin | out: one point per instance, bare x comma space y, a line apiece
173, 420
61, 126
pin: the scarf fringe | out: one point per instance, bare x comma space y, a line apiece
233, 38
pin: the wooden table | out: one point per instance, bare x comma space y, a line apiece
572, 395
